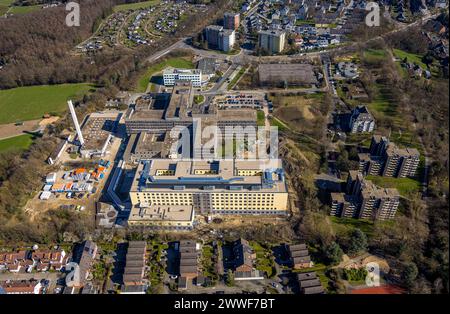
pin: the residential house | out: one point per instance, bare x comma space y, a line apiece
188, 254
135, 264
22, 287
299, 255
44, 260
15, 261
84, 255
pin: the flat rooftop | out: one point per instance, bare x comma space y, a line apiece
158, 213
165, 175
97, 127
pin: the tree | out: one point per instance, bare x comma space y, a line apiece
229, 279
358, 242
409, 274
333, 253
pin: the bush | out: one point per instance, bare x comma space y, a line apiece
358, 274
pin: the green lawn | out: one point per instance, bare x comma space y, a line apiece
17, 143
29, 103
181, 63
25, 9
345, 225
261, 118
412, 57
4, 6
264, 259
278, 123
135, 6
405, 186
236, 78
375, 53
198, 99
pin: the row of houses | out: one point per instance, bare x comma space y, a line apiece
33, 260
21, 287
134, 272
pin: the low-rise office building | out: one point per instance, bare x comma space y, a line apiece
175, 218
160, 113
171, 75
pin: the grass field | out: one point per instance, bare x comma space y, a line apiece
344, 225
25, 9
182, 63
414, 58
280, 124
261, 118
29, 103
405, 186
17, 143
375, 54
4, 6
135, 6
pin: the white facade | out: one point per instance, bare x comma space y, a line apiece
362, 126
75, 122
172, 75
228, 40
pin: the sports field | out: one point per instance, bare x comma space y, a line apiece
30, 103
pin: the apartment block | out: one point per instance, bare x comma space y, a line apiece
231, 20
387, 159
365, 200
361, 120
400, 162
272, 41
220, 38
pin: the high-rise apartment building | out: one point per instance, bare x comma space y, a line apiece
365, 200
272, 41
388, 160
220, 38
231, 20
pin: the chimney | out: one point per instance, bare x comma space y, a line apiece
75, 121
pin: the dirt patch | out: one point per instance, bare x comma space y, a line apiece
48, 121
11, 130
